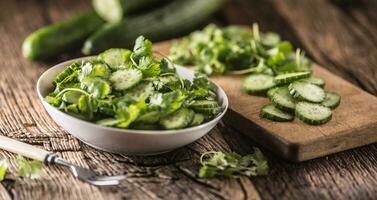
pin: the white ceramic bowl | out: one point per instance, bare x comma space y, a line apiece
128, 141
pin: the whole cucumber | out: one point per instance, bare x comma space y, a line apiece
115, 10
174, 19
51, 40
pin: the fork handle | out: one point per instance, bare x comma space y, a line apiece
23, 149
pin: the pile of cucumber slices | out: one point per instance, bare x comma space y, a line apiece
293, 94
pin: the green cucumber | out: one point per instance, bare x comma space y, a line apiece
314, 114
283, 100
258, 83
316, 81
290, 77
306, 92
149, 117
61, 37
271, 91
172, 20
115, 10
332, 100
272, 113
198, 104
125, 78
179, 119
115, 58
197, 120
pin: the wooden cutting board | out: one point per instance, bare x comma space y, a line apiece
354, 122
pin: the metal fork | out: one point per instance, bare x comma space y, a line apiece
81, 173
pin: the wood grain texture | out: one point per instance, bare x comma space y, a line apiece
347, 175
297, 141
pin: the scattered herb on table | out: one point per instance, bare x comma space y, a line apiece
29, 168
3, 168
233, 165
132, 89
276, 69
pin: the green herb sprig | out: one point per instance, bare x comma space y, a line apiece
237, 50
233, 165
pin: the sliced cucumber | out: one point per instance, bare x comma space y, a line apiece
316, 81
126, 78
149, 117
272, 113
314, 114
179, 119
332, 100
206, 107
198, 119
258, 83
198, 104
283, 100
290, 77
306, 92
271, 91
143, 89
115, 58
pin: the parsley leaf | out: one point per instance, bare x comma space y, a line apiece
233, 165
29, 169
3, 168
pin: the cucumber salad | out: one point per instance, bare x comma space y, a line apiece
276, 70
133, 89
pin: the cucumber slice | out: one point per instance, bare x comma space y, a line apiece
197, 120
272, 113
290, 77
316, 81
198, 104
314, 114
283, 100
332, 100
306, 92
206, 107
271, 91
258, 83
126, 78
115, 58
179, 119
149, 117
142, 90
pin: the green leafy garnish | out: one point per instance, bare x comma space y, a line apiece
3, 168
29, 169
237, 50
132, 89
233, 165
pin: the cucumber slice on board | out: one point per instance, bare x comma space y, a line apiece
258, 83
311, 113
332, 100
272, 113
179, 119
283, 100
306, 92
271, 91
115, 58
126, 78
290, 77
316, 81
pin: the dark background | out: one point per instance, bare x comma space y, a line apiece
340, 35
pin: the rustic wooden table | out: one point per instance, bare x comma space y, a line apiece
338, 34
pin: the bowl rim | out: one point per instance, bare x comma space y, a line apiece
126, 130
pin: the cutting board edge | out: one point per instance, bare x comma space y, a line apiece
296, 151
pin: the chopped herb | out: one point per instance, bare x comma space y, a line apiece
29, 168
237, 50
233, 165
3, 168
